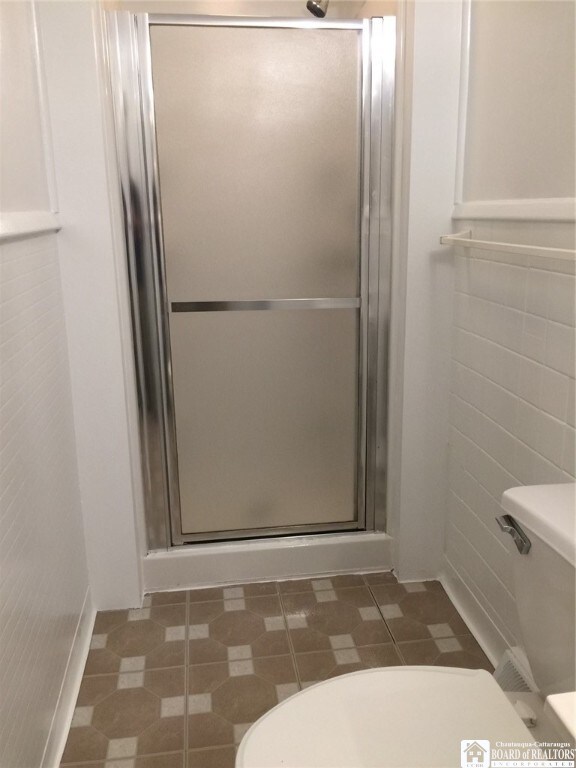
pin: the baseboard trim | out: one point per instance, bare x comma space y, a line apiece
489, 637
66, 703
545, 209
200, 565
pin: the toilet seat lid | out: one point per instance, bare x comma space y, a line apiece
391, 717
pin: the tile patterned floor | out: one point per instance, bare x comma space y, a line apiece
176, 683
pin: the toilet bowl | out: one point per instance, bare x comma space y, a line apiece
426, 717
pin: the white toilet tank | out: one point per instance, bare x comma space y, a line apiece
544, 581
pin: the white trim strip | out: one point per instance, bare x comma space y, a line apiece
463, 101
545, 209
62, 717
21, 224
464, 239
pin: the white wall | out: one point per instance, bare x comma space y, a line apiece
419, 417
44, 596
95, 300
521, 118
23, 182
512, 388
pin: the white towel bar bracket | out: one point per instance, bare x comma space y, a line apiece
464, 239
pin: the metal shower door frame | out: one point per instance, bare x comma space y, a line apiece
129, 60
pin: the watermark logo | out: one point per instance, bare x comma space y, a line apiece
480, 753
475, 753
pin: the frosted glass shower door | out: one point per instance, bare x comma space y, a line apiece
258, 139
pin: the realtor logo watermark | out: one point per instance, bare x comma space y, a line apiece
480, 753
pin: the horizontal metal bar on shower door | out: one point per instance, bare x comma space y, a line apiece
268, 304
183, 20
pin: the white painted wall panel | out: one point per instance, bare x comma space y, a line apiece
521, 121
23, 183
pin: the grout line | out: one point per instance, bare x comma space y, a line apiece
394, 641
253, 658
290, 644
127, 760
514, 352
497, 384
484, 337
145, 670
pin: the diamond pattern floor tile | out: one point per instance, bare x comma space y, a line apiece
177, 682
418, 610
462, 651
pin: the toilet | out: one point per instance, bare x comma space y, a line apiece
426, 717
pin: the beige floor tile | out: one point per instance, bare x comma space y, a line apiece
416, 611
166, 598
127, 716
382, 577
322, 665
155, 634
132, 702
312, 624
215, 630
220, 757
462, 651
209, 730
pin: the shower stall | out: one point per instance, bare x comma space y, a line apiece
254, 158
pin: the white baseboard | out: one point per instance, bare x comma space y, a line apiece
489, 637
62, 718
284, 558
545, 209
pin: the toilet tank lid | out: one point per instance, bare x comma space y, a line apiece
549, 511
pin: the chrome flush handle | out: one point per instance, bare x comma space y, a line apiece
509, 525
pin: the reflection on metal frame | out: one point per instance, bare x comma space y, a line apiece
384, 40
139, 242
144, 65
130, 66
266, 304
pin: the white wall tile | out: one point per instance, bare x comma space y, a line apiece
568, 460
492, 475
472, 493
562, 298
540, 431
571, 412
486, 539
534, 338
44, 573
560, 348
554, 392
512, 403
537, 292
461, 273
460, 550
485, 432
531, 468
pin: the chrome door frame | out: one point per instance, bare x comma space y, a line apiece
129, 61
